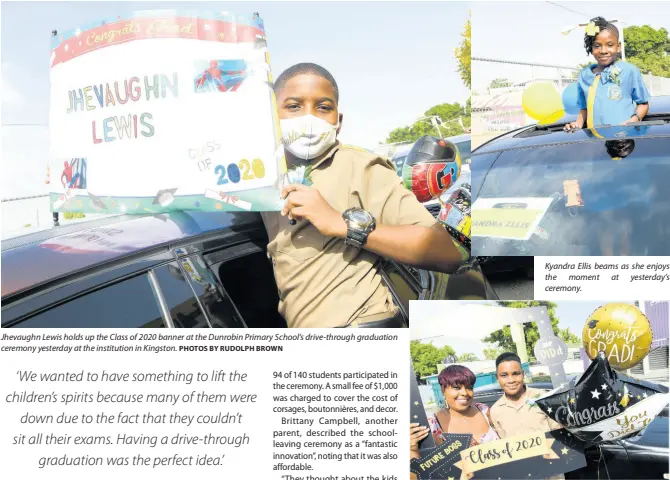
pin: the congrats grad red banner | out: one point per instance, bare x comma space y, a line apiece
154, 27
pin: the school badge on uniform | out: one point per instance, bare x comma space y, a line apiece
614, 92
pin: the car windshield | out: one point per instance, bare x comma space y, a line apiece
655, 435
594, 197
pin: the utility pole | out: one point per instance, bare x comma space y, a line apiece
436, 123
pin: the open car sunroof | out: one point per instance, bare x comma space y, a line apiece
537, 130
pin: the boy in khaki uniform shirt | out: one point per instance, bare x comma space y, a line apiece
512, 414
322, 281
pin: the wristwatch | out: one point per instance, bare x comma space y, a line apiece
359, 225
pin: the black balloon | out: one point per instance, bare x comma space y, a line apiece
603, 405
431, 149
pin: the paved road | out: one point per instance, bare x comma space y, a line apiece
512, 286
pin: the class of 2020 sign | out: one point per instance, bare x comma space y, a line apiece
164, 110
533, 455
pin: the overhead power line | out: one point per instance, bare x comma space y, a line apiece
25, 124
569, 9
24, 198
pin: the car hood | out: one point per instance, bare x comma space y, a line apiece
37, 258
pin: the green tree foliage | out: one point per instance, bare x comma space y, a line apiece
468, 357
645, 40
500, 83
491, 352
659, 66
463, 55
567, 336
446, 112
648, 49
425, 357
503, 338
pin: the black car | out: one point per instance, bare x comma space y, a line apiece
643, 455
180, 269
495, 265
599, 191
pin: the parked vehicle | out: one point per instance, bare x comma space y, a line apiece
594, 189
180, 269
495, 265
463, 143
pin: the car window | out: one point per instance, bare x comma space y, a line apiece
127, 304
180, 298
217, 304
625, 202
478, 170
246, 275
405, 288
655, 435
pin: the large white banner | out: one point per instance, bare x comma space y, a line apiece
164, 110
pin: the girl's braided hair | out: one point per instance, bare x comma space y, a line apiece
604, 25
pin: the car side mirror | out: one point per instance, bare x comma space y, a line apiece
482, 260
472, 262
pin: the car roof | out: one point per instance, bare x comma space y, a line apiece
460, 138
519, 139
536, 136
33, 259
659, 104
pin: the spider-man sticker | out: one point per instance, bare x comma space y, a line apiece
220, 76
74, 174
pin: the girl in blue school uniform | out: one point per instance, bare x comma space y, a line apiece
611, 91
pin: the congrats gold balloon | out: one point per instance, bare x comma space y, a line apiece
542, 102
621, 331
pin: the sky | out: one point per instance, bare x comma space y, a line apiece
437, 316
392, 61
531, 32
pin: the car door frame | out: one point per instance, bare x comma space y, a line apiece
420, 287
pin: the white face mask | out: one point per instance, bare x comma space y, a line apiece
308, 136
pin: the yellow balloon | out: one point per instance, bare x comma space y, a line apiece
620, 330
554, 117
541, 101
